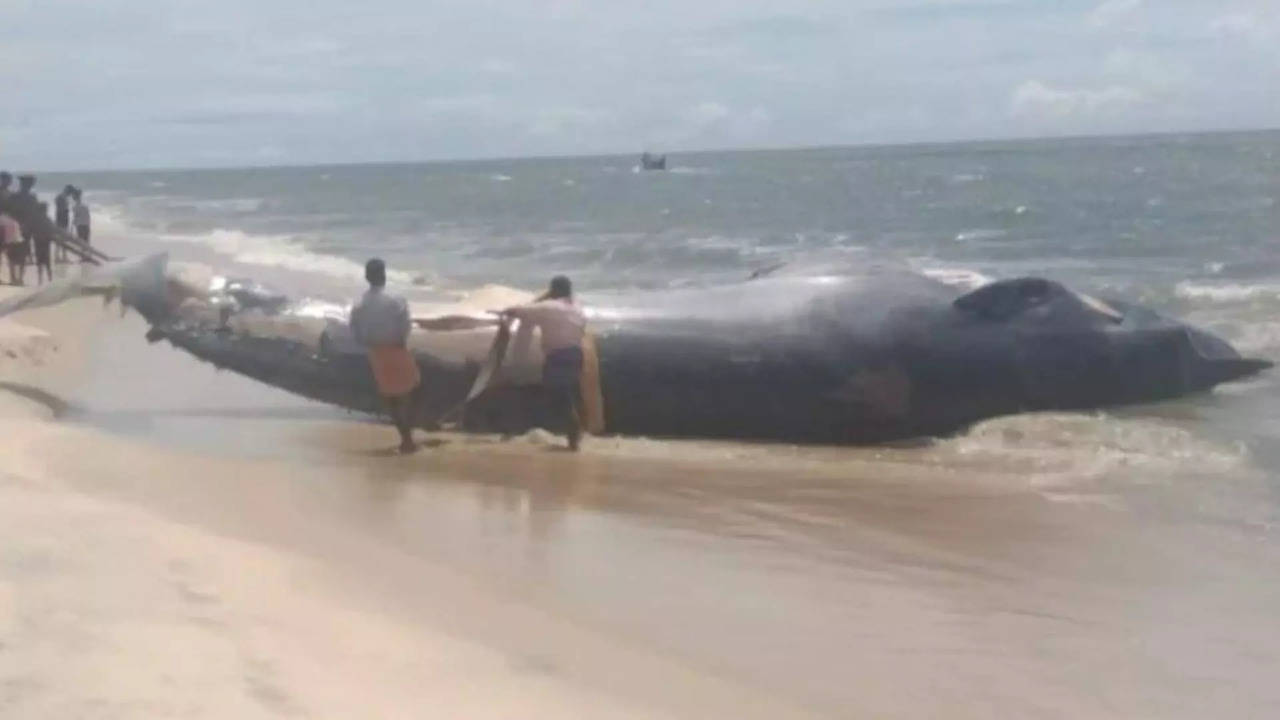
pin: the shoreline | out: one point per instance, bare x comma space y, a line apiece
110, 603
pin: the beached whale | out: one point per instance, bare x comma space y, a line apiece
851, 356
882, 353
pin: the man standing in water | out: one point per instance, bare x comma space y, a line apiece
380, 322
563, 327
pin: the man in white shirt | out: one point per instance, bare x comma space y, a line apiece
380, 322
563, 326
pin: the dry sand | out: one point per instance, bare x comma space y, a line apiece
111, 609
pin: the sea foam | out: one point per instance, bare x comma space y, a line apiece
1228, 292
278, 251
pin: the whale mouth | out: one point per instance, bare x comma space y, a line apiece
1215, 361
1224, 370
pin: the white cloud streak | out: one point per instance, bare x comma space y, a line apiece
1113, 12
1038, 100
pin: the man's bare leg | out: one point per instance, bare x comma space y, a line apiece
566, 406
399, 409
408, 411
404, 423
576, 416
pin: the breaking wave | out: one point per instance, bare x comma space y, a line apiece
962, 278
980, 235
280, 251
286, 252
1229, 292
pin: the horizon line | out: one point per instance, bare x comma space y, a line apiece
677, 152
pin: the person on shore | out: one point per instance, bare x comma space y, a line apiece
62, 216
380, 322
24, 207
10, 234
62, 208
9, 228
563, 326
15, 251
6, 190
42, 239
26, 189
80, 216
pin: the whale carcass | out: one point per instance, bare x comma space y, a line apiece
857, 356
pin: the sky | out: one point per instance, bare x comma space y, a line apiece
195, 83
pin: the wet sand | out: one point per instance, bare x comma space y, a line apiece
185, 543
141, 581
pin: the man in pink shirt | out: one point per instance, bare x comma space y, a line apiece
563, 326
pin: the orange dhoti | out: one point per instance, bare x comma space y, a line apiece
394, 369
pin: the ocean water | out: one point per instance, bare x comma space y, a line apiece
1141, 214
1187, 224
1121, 563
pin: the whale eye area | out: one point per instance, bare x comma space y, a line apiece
1005, 299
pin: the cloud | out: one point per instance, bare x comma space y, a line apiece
1036, 99
244, 109
560, 121
754, 123
933, 12
706, 114
1112, 12
1241, 25
709, 124
710, 119
776, 28
1149, 71
456, 105
499, 66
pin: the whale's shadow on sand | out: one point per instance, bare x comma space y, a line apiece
68, 410
60, 407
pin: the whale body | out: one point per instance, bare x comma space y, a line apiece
849, 356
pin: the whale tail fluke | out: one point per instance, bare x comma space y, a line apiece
137, 283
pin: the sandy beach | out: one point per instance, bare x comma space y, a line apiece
200, 602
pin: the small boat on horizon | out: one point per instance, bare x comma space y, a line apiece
648, 161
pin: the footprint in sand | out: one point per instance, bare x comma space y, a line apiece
261, 685
534, 664
204, 600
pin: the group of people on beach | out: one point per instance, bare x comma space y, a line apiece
380, 321
25, 227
